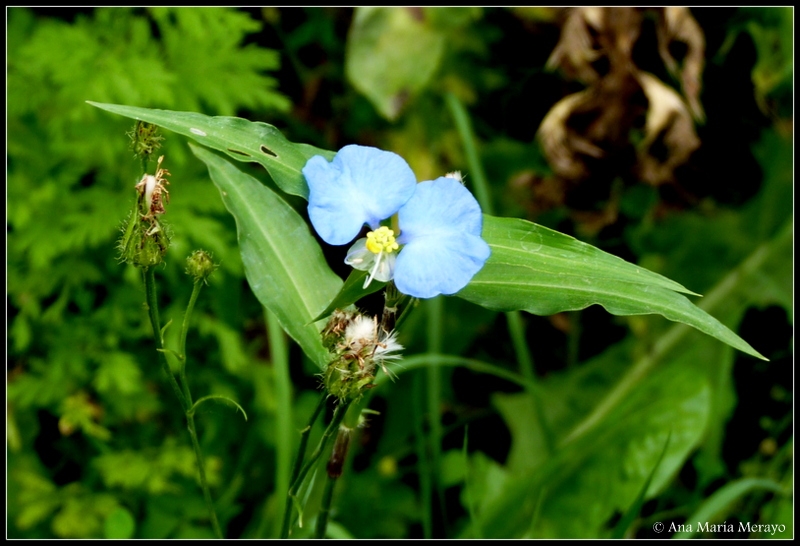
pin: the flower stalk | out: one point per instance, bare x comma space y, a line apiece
144, 244
333, 426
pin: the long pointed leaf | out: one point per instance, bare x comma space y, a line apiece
283, 263
545, 272
352, 291
241, 139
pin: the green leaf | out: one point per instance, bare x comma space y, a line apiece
616, 457
119, 524
391, 54
283, 263
241, 139
718, 505
545, 272
352, 291
632, 513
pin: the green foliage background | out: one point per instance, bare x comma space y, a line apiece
96, 444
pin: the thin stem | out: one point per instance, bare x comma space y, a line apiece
422, 458
435, 320
298, 463
470, 502
182, 347
327, 496
333, 426
573, 339
483, 195
184, 396
155, 321
301, 451
425, 360
335, 468
516, 329
203, 482
198, 286
409, 306
464, 128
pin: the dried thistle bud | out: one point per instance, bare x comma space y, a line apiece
333, 333
359, 347
153, 191
145, 237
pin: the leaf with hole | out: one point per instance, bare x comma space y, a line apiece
243, 140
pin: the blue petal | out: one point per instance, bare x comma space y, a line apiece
429, 266
440, 227
362, 185
439, 207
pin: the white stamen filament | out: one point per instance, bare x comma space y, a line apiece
374, 270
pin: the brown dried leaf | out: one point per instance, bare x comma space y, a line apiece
597, 122
669, 122
576, 49
677, 24
561, 144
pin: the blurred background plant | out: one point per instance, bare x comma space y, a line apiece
663, 136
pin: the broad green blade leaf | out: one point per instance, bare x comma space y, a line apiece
243, 140
352, 291
545, 272
614, 458
283, 263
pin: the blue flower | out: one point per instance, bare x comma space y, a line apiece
362, 185
440, 221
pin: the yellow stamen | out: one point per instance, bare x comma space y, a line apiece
381, 240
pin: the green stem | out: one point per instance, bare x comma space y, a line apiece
301, 451
322, 518
409, 306
335, 468
279, 355
422, 458
183, 395
155, 321
470, 502
333, 426
483, 194
516, 329
464, 128
198, 285
573, 339
298, 463
203, 482
424, 360
435, 321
